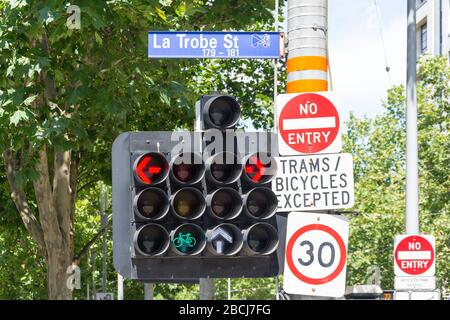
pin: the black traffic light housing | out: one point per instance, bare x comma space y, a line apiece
186, 215
220, 112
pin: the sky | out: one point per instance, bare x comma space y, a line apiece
357, 57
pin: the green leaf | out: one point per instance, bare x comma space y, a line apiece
98, 39
46, 16
18, 116
161, 14
164, 97
165, 3
181, 10
28, 101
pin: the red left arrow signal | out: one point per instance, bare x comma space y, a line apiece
151, 168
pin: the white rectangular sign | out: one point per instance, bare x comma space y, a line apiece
104, 296
415, 283
314, 183
316, 255
423, 296
417, 295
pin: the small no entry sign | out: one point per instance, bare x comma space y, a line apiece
316, 255
308, 123
414, 256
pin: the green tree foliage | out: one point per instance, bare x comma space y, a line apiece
65, 94
378, 146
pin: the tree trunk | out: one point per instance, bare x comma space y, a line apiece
57, 277
54, 213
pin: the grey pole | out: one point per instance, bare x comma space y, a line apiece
148, 291
275, 72
207, 289
412, 153
438, 32
103, 199
119, 287
229, 289
307, 37
206, 285
94, 268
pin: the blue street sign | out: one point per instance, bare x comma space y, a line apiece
214, 45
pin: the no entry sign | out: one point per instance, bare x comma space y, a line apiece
308, 123
316, 255
313, 183
414, 256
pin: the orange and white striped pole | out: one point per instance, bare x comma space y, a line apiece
307, 63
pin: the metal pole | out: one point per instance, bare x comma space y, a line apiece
229, 289
412, 158
104, 222
94, 267
103, 199
438, 28
148, 291
206, 285
277, 289
207, 289
275, 71
119, 287
307, 63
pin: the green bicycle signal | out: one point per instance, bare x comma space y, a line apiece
185, 242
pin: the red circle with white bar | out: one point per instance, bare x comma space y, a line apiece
342, 253
414, 255
309, 123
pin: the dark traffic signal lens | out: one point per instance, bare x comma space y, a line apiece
225, 239
151, 168
222, 112
225, 204
188, 239
261, 239
261, 203
151, 204
151, 240
260, 168
224, 168
188, 204
188, 168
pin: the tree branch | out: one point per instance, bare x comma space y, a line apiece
20, 200
88, 245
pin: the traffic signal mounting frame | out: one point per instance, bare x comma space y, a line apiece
178, 221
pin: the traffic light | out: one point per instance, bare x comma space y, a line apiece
198, 211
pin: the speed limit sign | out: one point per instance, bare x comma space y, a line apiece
316, 255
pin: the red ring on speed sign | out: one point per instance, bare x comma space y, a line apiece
342, 249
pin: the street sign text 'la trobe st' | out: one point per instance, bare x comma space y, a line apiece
215, 45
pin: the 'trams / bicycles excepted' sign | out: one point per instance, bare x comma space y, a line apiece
314, 183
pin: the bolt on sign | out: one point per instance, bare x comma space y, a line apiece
414, 256
308, 123
322, 182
